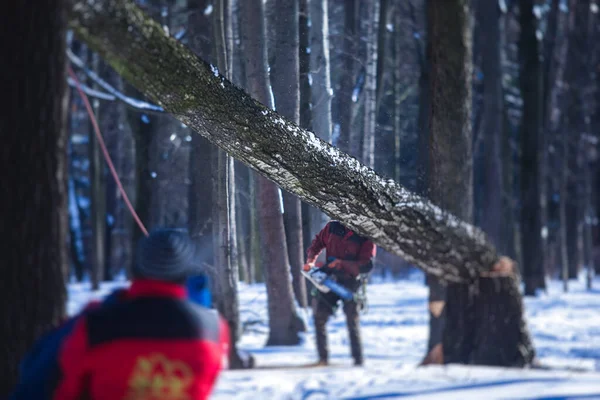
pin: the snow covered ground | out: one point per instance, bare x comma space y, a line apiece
566, 330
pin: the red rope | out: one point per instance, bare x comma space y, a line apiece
105, 151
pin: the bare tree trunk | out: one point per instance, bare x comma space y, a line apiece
256, 261
370, 90
224, 203
321, 91
531, 79
98, 191
492, 213
34, 185
200, 195
285, 81
556, 123
114, 127
344, 103
284, 322
395, 219
450, 138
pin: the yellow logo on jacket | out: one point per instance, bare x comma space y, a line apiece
155, 377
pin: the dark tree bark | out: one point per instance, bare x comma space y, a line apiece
284, 322
321, 91
450, 153
224, 204
492, 210
98, 191
531, 79
370, 87
384, 211
200, 191
285, 81
575, 77
75, 240
344, 94
34, 193
114, 127
556, 121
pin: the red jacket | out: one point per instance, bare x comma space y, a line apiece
340, 242
152, 344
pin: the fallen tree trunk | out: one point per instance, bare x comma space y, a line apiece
195, 93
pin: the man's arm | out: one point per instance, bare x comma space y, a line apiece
317, 245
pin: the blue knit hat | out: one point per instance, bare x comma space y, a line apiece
167, 255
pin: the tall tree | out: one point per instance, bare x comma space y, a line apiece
285, 81
223, 202
370, 87
98, 192
450, 138
200, 218
394, 218
34, 193
531, 79
115, 129
321, 91
284, 322
492, 212
344, 94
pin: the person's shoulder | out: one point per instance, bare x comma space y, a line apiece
208, 321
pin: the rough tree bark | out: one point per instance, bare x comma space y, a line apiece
295, 159
224, 203
200, 190
531, 74
321, 91
304, 54
114, 128
284, 322
344, 94
370, 88
492, 213
450, 152
574, 128
98, 190
34, 193
285, 82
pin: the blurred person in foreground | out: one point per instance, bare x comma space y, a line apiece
146, 342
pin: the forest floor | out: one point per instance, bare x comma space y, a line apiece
565, 327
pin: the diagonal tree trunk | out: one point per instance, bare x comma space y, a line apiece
284, 322
285, 81
320, 174
34, 192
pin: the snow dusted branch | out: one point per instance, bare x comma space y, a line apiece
131, 102
196, 94
91, 92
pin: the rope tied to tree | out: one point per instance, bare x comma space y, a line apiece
111, 166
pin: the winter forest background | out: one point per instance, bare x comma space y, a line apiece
489, 109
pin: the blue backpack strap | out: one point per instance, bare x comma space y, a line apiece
198, 288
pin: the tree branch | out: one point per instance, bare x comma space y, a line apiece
196, 94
